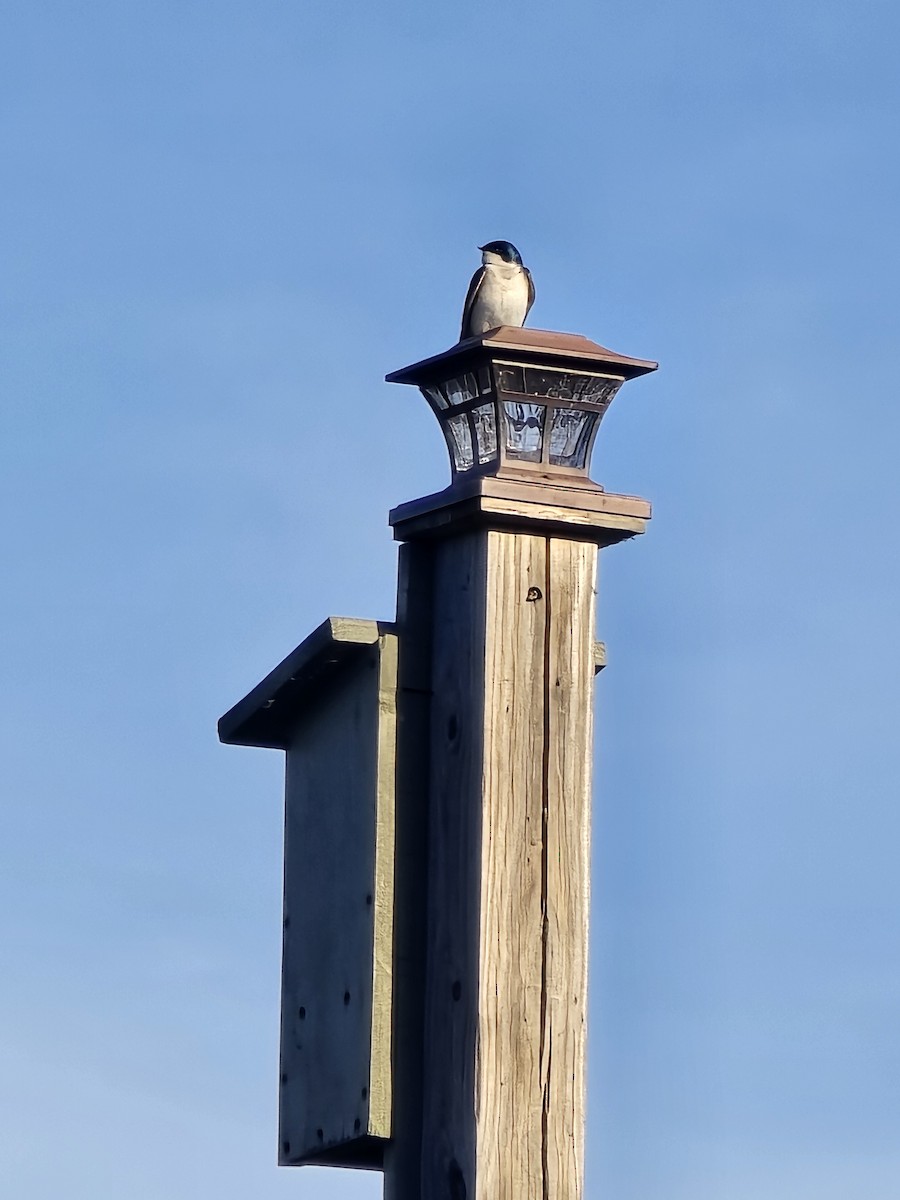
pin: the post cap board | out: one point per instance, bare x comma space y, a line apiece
583, 513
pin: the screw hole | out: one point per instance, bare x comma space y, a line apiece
320, 1134
356, 1125
346, 998
286, 1147
456, 989
301, 1013
452, 727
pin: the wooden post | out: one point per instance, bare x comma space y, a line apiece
509, 639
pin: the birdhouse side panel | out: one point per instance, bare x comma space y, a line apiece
338, 917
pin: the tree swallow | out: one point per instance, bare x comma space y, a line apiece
501, 291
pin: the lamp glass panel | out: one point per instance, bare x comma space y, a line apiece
459, 440
454, 392
602, 391
570, 436
484, 379
524, 430
435, 397
471, 386
511, 379
485, 432
556, 384
465, 387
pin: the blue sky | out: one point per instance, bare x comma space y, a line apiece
219, 227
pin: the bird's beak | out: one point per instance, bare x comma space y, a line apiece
479, 247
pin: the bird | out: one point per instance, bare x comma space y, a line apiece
501, 291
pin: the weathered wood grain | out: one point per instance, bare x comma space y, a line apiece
380, 1069
509, 1113
569, 714
507, 865
453, 936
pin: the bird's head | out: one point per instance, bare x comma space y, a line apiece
500, 252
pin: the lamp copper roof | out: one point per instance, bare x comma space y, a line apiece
528, 345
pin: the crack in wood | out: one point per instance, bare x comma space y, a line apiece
545, 1036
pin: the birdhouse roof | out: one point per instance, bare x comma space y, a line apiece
268, 714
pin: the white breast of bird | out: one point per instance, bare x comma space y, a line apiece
503, 296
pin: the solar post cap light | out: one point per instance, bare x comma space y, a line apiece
516, 402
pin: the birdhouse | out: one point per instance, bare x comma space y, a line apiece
522, 403
331, 705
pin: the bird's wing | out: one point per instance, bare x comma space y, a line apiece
474, 287
530, 295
